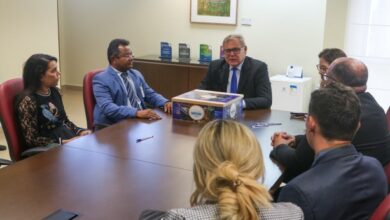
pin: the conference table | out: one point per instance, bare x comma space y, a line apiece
109, 175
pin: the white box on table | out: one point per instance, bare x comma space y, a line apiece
203, 105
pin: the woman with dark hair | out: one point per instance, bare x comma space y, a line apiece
40, 110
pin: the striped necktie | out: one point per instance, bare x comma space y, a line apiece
131, 92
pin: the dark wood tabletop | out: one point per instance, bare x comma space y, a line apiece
108, 175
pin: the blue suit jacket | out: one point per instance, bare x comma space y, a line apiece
111, 96
341, 184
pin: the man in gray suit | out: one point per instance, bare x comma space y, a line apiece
341, 183
238, 73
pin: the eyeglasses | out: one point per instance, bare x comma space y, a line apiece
321, 69
235, 50
326, 77
129, 55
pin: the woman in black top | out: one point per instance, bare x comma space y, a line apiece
40, 110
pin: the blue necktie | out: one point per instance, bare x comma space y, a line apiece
233, 82
131, 93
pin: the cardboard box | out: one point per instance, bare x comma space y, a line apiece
202, 105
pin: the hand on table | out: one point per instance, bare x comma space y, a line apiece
85, 132
282, 138
148, 114
168, 107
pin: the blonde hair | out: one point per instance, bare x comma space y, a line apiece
227, 163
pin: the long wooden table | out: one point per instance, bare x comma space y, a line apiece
107, 175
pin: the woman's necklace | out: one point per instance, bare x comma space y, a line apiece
43, 94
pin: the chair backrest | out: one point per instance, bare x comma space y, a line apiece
388, 118
387, 172
8, 92
382, 212
89, 98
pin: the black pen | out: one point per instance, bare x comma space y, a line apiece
142, 139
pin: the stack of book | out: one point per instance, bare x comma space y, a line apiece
184, 53
205, 53
165, 50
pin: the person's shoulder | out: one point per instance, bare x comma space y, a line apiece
254, 61
218, 63
25, 98
371, 162
281, 210
368, 102
106, 77
196, 212
104, 73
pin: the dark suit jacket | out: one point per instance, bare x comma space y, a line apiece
254, 81
341, 184
372, 139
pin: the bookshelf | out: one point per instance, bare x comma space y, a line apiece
170, 77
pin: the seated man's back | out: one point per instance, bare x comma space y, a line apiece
342, 180
342, 183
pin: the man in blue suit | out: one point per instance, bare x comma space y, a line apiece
121, 92
341, 183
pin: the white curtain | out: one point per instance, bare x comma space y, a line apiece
368, 39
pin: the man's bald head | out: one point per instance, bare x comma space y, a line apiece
349, 71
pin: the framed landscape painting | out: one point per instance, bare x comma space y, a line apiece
214, 11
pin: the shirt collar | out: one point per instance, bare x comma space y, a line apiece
237, 67
322, 153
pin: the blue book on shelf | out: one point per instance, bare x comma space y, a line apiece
165, 50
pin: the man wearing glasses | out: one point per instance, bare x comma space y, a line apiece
121, 91
293, 152
371, 139
340, 176
238, 73
326, 57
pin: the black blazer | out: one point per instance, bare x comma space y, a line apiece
341, 184
372, 139
254, 81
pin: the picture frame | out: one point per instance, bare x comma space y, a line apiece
214, 11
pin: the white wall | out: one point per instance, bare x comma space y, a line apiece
283, 32
27, 27
336, 16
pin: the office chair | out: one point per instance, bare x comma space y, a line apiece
88, 96
387, 172
16, 145
382, 212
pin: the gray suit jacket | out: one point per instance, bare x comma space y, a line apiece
254, 81
278, 211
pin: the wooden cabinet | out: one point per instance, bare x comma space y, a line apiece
170, 78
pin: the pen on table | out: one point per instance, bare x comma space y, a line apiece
142, 139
